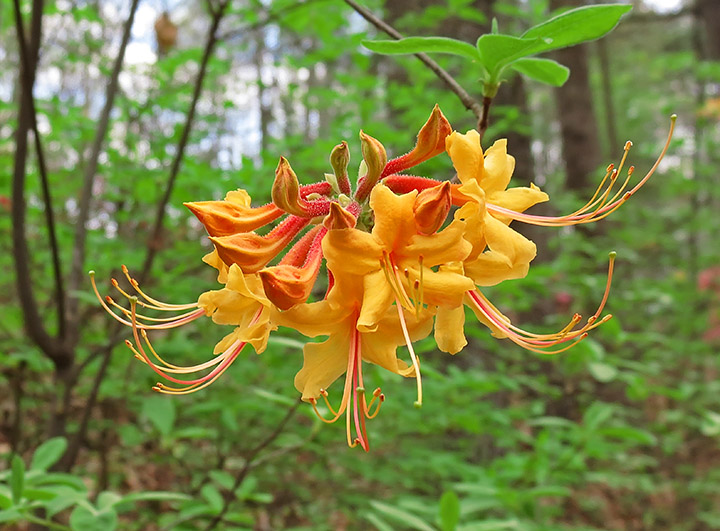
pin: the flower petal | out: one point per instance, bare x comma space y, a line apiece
323, 363
449, 329
466, 155
499, 168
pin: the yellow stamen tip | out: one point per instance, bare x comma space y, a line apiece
124, 269
417, 404
360, 390
612, 255
91, 272
673, 117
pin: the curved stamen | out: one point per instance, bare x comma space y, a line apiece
163, 305
541, 342
413, 356
604, 208
190, 316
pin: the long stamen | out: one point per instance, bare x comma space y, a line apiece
601, 209
413, 356
136, 286
541, 343
178, 321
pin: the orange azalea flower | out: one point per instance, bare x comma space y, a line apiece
398, 257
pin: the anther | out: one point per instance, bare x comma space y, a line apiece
114, 282
631, 170
417, 404
610, 167
91, 272
628, 145
124, 269
377, 392
360, 390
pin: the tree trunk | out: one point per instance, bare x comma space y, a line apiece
578, 125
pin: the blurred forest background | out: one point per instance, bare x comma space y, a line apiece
621, 432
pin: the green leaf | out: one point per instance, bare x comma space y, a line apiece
154, 496
710, 425
48, 453
160, 410
17, 478
630, 434
423, 44
86, 519
400, 516
212, 497
544, 70
577, 25
602, 372
497, 51
449, 511
5, 502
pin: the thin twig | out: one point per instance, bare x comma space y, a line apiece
154, 241
468, 101
249, 461
78, 254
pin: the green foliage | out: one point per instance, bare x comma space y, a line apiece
621, 430
496, 52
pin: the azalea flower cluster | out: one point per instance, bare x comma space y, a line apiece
404, 255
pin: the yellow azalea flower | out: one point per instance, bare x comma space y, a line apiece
398, 258
484, 180
242, 302
395, 260
344, 352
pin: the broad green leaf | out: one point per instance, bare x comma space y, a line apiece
710, 425
5, 502
630, 434
425, 45
497, 51
602, 372
85, 519
597, 414
449, 512
380, 524
108, 499
212, 497
48, 453
153, 496
576, 25
160, 410
544, 70
491, 525
17, 478
403, 517
39, 494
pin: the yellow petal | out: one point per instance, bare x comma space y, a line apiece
466, 155
380, 347
443, 287
394, 221
352, 251
445, 246
509, 255
377, 298
449, 329
314, 319
517, 199
499, 168
323, 363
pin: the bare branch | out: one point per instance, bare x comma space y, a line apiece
77, 275
468, 101
249, 462
29, 53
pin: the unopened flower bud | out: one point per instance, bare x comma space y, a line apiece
430, 142
286, 190
339, 218
375, 159
339, 160
432, 207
